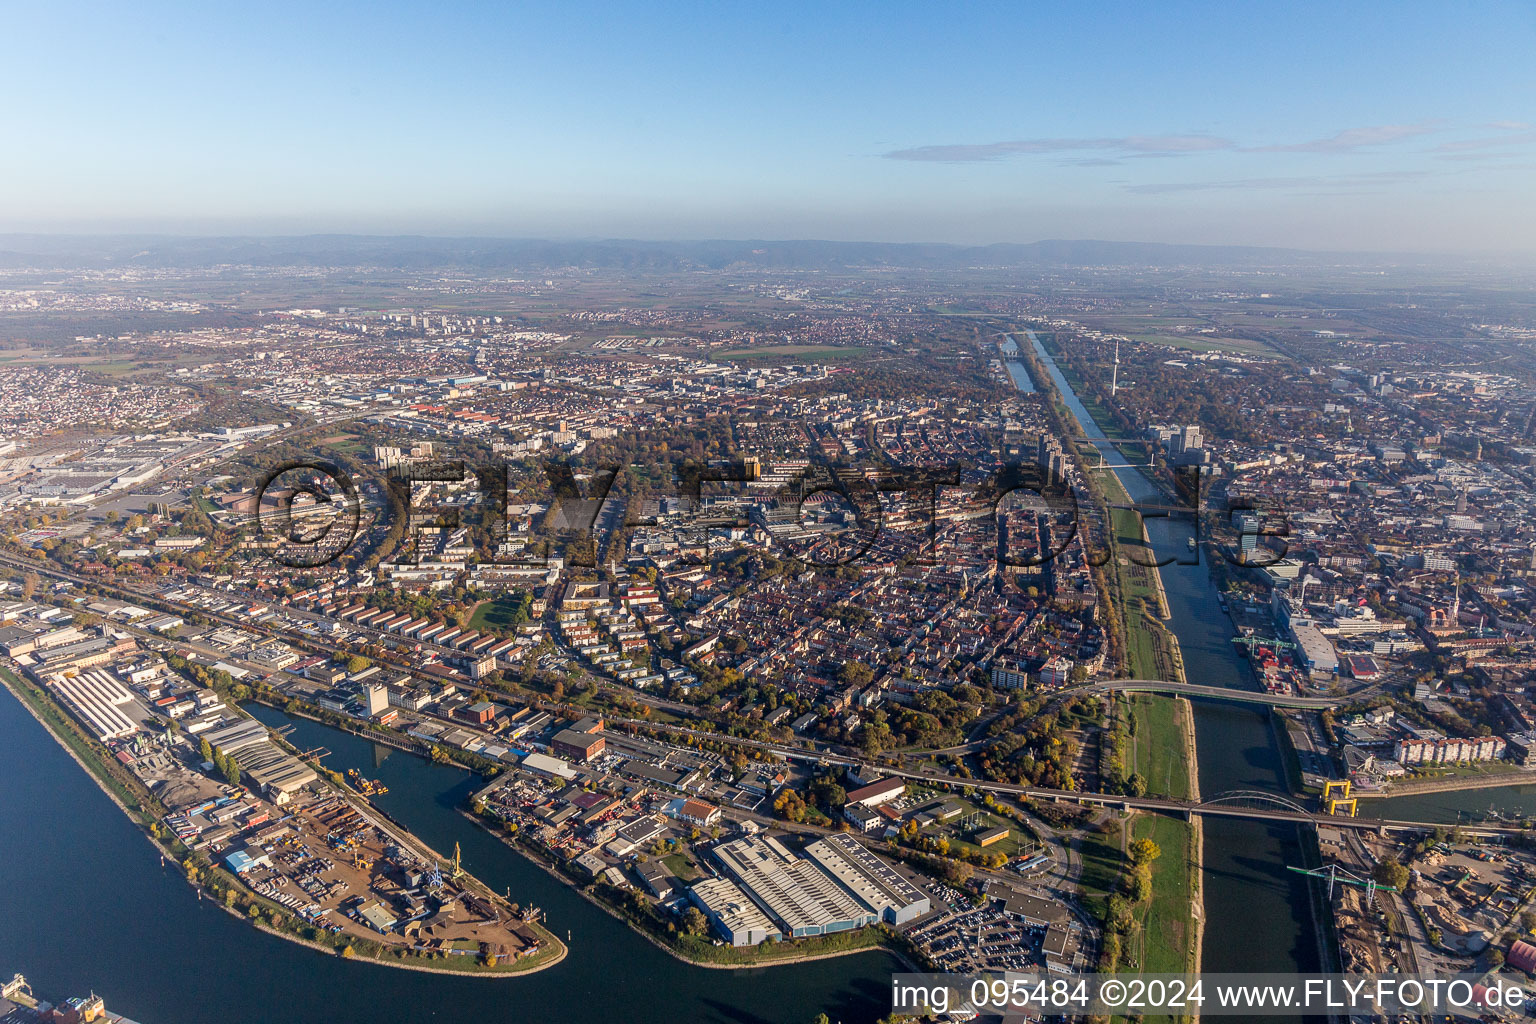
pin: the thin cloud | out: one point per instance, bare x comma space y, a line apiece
1152, 146
1335, 184
1493, 142
1133, 145
1352, 139
1480, 157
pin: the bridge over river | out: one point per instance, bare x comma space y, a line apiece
1276, 700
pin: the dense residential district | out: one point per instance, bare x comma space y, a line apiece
799, 613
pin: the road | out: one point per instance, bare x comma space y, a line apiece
1200, 690
814, 754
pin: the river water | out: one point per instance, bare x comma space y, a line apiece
1457, 806
85, 905
1258, 915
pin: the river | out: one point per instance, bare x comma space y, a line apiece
86, 906
1017, 371
1258, 915
1456, 806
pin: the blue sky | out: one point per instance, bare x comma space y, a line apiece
1407, 126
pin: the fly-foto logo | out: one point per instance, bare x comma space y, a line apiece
310, 512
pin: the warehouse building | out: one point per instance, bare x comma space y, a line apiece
231, 738
794, 891
97, 699
578, 746
1314, 651
277, 774
733, 915
871, 880
881, 791
553, 767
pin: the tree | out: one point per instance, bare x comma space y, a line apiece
855, 674
357, 663
1144, 851
1389, 872
206, 749
1109, 951
694, 922
231, 771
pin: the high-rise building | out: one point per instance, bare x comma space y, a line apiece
377, 695
1051, 459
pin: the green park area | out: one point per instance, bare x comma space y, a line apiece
1164, 942
501, 614
1208, 343
1162, 754
1149, 646
793, 354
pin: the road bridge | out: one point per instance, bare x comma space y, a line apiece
1278, 700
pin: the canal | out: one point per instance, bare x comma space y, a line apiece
86, 905
1257, 914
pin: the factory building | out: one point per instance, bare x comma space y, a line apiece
871, 880
577, 746
733, 915
97, 699
794, 891
881, 791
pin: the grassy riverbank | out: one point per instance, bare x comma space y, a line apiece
1166, 936
1162, 745
1152, 651
1162, 932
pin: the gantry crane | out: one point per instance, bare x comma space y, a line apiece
1334, 873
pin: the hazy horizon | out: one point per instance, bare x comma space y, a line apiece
8, 239
1325, 129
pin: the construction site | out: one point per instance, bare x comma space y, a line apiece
335, 864
338, 869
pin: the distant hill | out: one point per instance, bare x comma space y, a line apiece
411, 252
